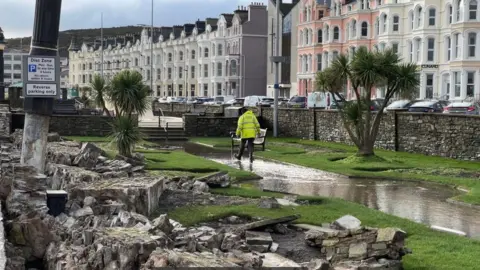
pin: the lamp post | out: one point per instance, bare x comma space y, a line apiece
39, 110
2, 48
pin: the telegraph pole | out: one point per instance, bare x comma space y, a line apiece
38, 109
276, 59
101, 45
151, 55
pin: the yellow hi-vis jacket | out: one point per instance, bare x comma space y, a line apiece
248, 126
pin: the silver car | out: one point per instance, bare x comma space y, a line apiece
469, 108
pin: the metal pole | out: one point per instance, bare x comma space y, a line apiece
101, 44
151, 55
39, 110
2, 86
276, 85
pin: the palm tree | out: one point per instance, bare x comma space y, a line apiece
364, 72
129, 94
100, 90
125, 134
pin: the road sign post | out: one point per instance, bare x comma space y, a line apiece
42, 82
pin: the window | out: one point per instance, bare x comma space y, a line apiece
384, 23
219, 89
396, 23
458, 16
419, 17
395, 47
8, 67
180, 56
327, 33
472, 41
205, 89
159, 74
336, 33
377, 26
449, 48
83, 67
456, 82
90, 66
180, 72
410, 50
17, 67
149, 74
430, 49
379, 2
148, 60
219, 69
334, 56
319, 36
7, 58
213, 49
17, 58
364, 29
429, 86
205, 52
354, 28
418, 43
18, 76
472, 10
220, 50
470, 83
412, 20
169, 57
320, 14
457, 45
169, 73
180, 90
192, 72
431, 17
193, 54
205, 70
233, 68
319, 62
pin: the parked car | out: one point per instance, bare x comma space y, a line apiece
218, 100
399, 105
179, 100
319, 100
470, 108
236, 102
376, 104
282, 101
202, 100
267, 102
297, 102
253, 101
162, 100
430, 106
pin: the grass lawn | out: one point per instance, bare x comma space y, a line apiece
335, 157
431, 249
172, 163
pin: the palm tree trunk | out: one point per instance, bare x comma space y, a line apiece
106, 110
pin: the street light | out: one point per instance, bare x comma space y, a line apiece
2, 48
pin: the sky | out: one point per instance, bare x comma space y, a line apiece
16, 16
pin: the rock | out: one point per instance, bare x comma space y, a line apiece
258, 238
200, 187
267, 222
275, 260
67, 177
230, 242
87, 237
280, 229
268, 203
318, 264
62, 152
347, 222
316, 236
116, 174
233, 220
176, 259
390, 235
358, 250
88, 156
53, 137
86, 211
259, 248
284, 202
162, 223
89, 201
274, 247
216, 180
246, 260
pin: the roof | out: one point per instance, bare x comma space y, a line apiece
228, 17
16, 85
285, 8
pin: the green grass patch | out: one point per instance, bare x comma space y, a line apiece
88, 138
431, 249
341, 159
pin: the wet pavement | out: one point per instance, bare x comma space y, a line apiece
417, 201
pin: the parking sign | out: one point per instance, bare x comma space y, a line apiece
32, 68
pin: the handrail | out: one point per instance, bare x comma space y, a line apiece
165, 128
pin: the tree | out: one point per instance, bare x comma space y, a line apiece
100, 89
129, 96
365, 71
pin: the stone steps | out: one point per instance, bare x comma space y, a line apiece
159, 134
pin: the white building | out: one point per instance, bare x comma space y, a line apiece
225, 56
13, 66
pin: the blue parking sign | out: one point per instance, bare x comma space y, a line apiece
32, 68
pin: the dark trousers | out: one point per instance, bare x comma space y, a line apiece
249, 143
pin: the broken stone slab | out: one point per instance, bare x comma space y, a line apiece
276, 260
88, 156
391, 235
258, 238
162, 223
200, 187
266, 222
230, 241
269, 203
216, 180
82, 212
140, 194
316, 235
172, 258
358, 251
369, 264
274, 247
67, 177
317, 264
89, 201
285, 202
53, 137
347, 222
62, 152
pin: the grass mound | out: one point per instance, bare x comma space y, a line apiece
354, 159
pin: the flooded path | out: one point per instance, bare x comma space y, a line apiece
417, 201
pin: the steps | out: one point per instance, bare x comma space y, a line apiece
159, 134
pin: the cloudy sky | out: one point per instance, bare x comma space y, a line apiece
16, 16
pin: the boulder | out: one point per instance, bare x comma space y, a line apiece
88, 156
62, 152
53, 137
200, 187
230, 242
89, 201
268, 203
347, 222
162, 223
175, 259
216, 180
67, 177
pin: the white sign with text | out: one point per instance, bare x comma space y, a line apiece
41, 89
41, 69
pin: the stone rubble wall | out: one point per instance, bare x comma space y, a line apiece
5, 120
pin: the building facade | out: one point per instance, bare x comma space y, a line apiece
12, 60
440, 36
218, 56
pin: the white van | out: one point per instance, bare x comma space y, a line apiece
253, 101
319, 100
218, 100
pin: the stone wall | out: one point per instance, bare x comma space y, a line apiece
81, 125
208, 126
5, 120
177, 110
